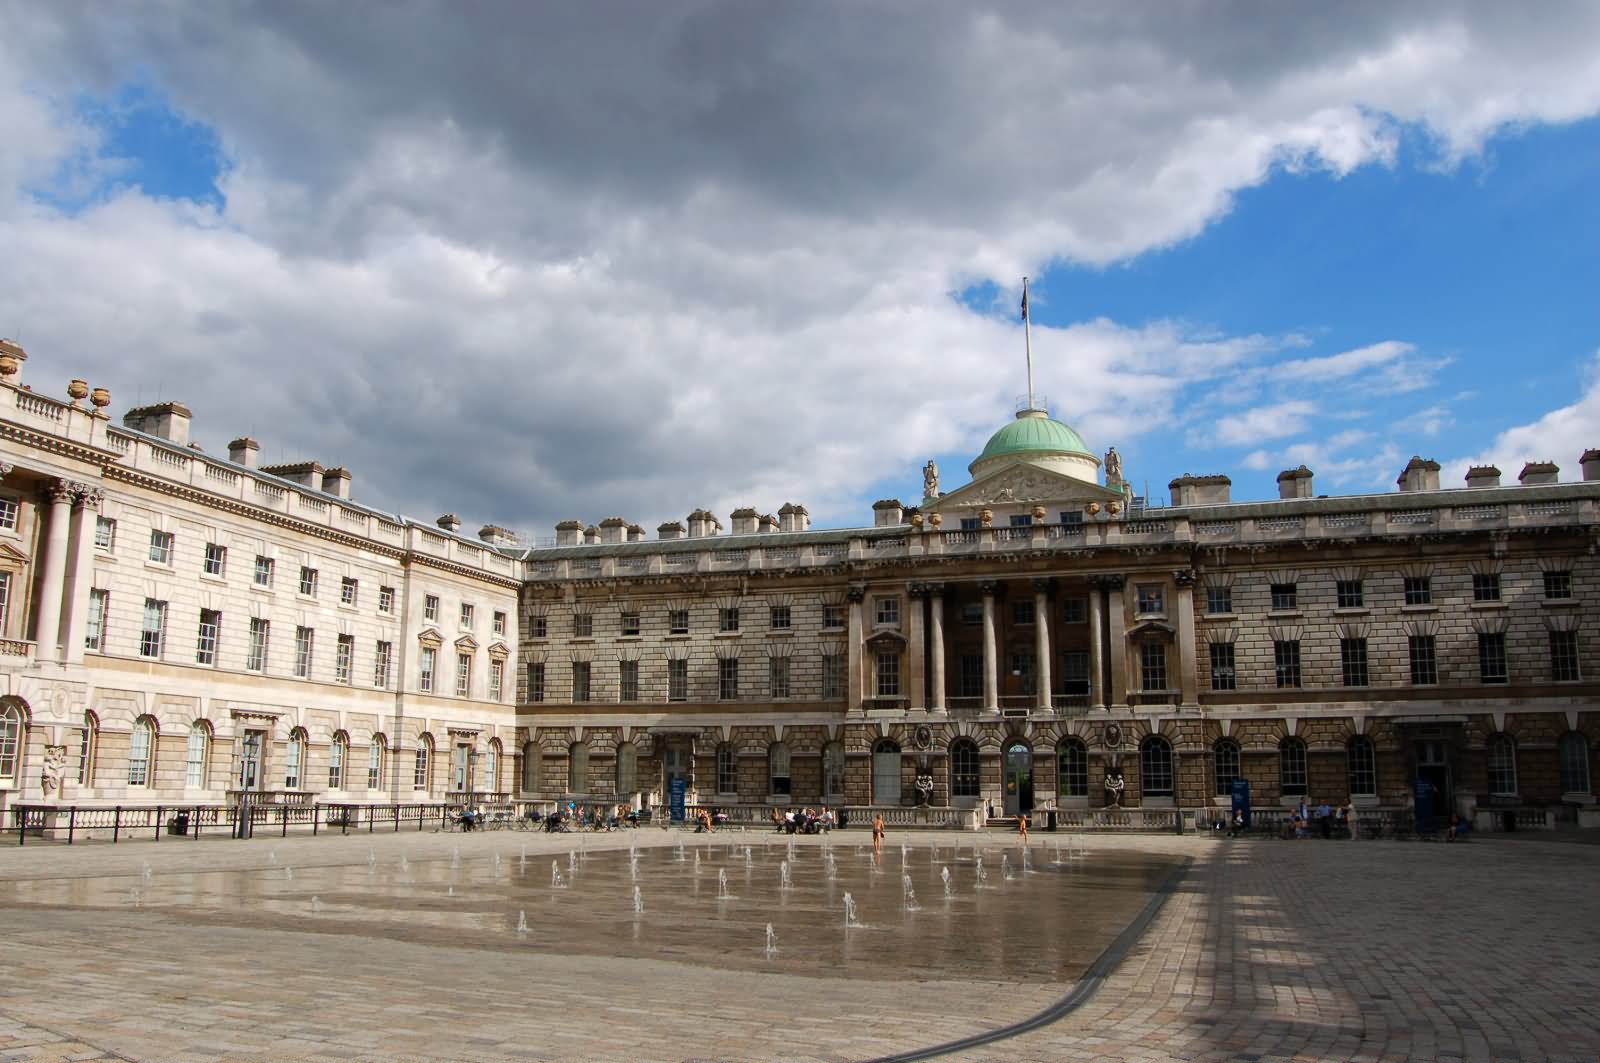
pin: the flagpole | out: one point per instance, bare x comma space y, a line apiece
1027, 339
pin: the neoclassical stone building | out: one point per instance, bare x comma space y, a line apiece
177, 626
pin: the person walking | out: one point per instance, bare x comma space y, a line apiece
1022, 826
877, 835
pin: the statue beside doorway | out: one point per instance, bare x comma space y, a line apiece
1114, 787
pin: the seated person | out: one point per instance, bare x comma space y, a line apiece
777, 820
1459, 826
719, 817
465, 819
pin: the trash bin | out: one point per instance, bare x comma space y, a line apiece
1508, 821
1050, 819
178, 824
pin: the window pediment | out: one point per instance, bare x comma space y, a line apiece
467, 644
499, 651
887, 642
431, 638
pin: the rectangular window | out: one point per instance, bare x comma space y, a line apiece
94, 635
1492, 657
194, 774
631, 622
1353, 662
627, 680
419, 771
425, 669
105, 534
580, 680
463, 674
1222, 673
1219, 599
833, 676
582, 625
374, 765
1021, 520
778, 676
469, 614
1150, 598
886, 612
1564, 656
256, 657
216, 562
1075, 611
1071, 516
349, 591
1348, 594
1075, 672
832, 616
1153, 666
1486, 586
386, 600
382, 661
498, 625
728, 678
154, 629
497, 675
1424, 662
1558, 584
344, 655
971, 523
728, 619
430, 607
678, 679
538, 627
535, 681
1418, 590
308, 581
263, 575
205, 651
1022, 613
677, 621
8, 513
779, 618
161, 547
336, 765
971, 675
888, 673
1286, 662
972, 613
304, 644
5, 603
1285, 596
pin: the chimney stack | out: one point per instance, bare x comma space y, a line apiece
886, 512
304, 473
1191, 490
1419, 475
336, 482
243, 451
1590, 463
672, 529
703, 522
568, 532
767, 524
1483, 476
495, 535
793, 518
1296, 483
169, 420
744, 520
449, 522
1539, 472
591, 536
613, 530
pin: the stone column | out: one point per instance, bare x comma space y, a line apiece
1097, 637
53, 565
80, 572
991, 676
1041, 627
1188, 668
936, 636
1116, 633
855, 664
917, 687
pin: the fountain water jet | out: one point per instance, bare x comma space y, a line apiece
949, 890
784, 881
722, 885
849, 911
522, 921
316, 904
638, 901
556, 881
911, 904
772, 942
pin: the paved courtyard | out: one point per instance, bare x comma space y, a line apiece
1262, 950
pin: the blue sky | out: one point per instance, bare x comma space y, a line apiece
526, 266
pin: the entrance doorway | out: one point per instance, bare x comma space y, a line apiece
886, 773
1432, 789
1018, 775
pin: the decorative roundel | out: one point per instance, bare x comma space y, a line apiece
922, 736
1112, 735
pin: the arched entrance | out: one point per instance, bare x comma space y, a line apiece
886, 773
1017, 773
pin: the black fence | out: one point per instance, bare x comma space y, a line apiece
72, 823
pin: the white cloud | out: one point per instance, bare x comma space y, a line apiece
1263, 422
1561, 436
1338, 366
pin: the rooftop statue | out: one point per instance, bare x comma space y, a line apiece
1113, 466
930, 480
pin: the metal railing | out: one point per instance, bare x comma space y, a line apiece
73, 823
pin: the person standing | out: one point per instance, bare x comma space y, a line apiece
877, 835
1022, 826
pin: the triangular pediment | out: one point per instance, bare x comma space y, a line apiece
467, 644
431, 637
11, 556
499, 650
1018, 484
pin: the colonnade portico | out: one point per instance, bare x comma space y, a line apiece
66, 550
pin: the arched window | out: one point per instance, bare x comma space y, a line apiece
578, 768
1072, 768
779, 784
336, 758
11, 732
727, 770
963, 768
1292, 767
1361, 767
1224, 766
375, 752
491, 767
833, 771
627, 769
886, 772
294, 760
88, 746
1155, 767
194, 775
423, 764
141, 744
1574, 753
530, 766
1502, 758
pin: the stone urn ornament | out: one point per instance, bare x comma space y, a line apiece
100, 398
935, 519
1093, 509
986, 517
78, 389
1038, 514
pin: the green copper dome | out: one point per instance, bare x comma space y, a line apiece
1033, 432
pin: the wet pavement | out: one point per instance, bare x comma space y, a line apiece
407, 947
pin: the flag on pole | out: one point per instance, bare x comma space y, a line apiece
1024, 300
